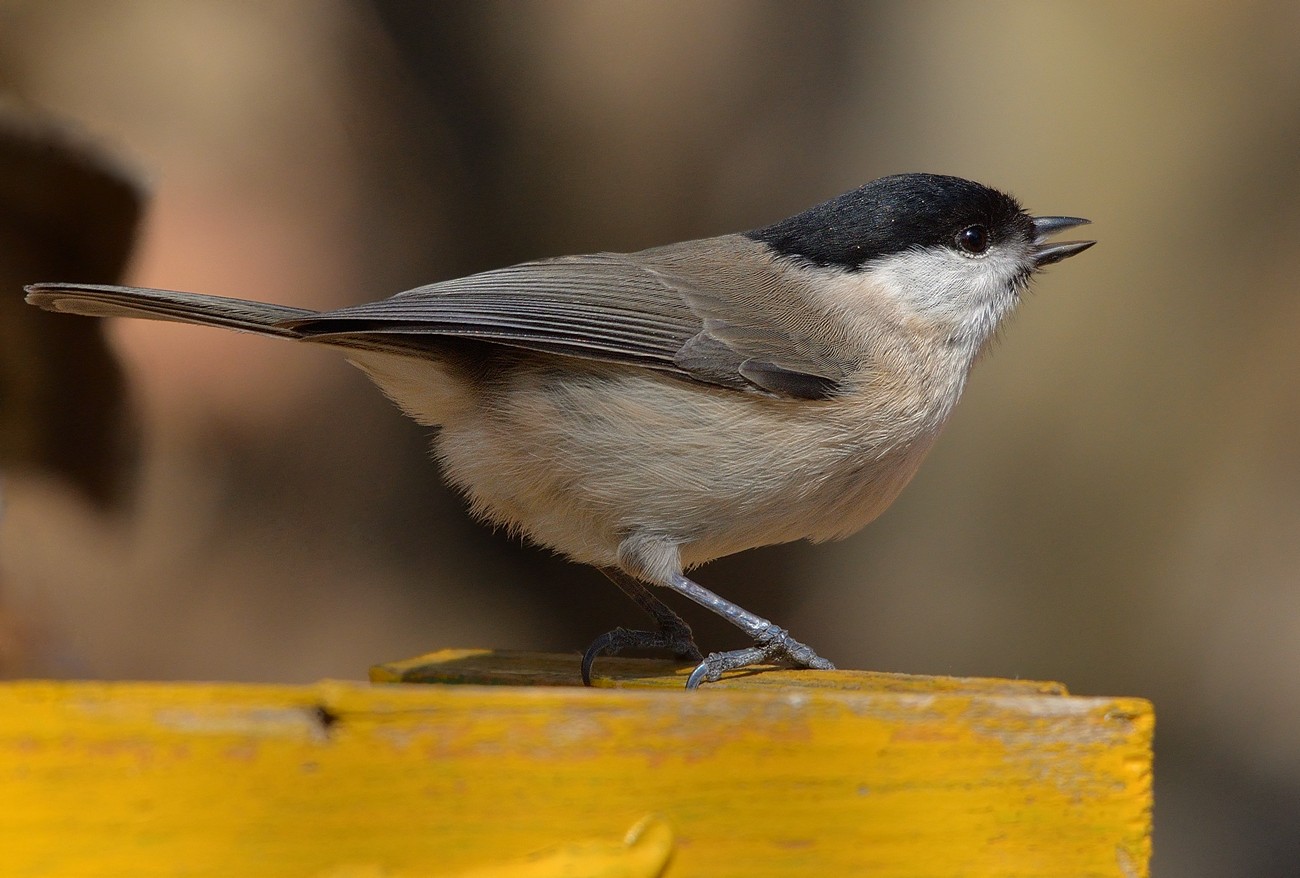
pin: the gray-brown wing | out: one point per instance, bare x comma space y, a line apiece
660, 309
601, 306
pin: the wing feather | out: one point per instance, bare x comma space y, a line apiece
680, 309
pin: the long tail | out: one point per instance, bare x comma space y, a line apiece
94, 300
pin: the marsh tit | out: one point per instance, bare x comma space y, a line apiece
648, 412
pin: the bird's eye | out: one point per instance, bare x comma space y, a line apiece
973, 240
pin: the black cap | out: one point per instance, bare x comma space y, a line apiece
892, 215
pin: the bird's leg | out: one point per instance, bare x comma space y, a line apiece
771, 643
673, 634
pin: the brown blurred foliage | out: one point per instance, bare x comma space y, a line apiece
1115, 505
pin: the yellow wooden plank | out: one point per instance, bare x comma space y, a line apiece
339, 779
644, 852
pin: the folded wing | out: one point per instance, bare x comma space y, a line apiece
681, 309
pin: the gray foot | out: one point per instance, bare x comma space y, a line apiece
676, 639
775, 647
673, 635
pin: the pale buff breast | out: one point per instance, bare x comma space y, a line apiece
579, 457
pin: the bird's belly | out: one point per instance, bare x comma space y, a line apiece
840, 496
580, 464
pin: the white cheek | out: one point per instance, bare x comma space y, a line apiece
942, 285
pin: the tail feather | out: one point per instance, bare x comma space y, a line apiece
93, 300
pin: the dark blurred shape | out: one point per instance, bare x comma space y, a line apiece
68, 209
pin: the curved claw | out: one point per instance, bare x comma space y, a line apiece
778, 647
718, 663
595, 650
613, 642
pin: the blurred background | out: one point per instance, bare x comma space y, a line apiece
1116, 504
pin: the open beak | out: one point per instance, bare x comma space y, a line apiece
1044, 228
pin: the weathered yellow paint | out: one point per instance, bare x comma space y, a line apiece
881, 775
644, 853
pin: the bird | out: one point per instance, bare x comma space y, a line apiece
647, 412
